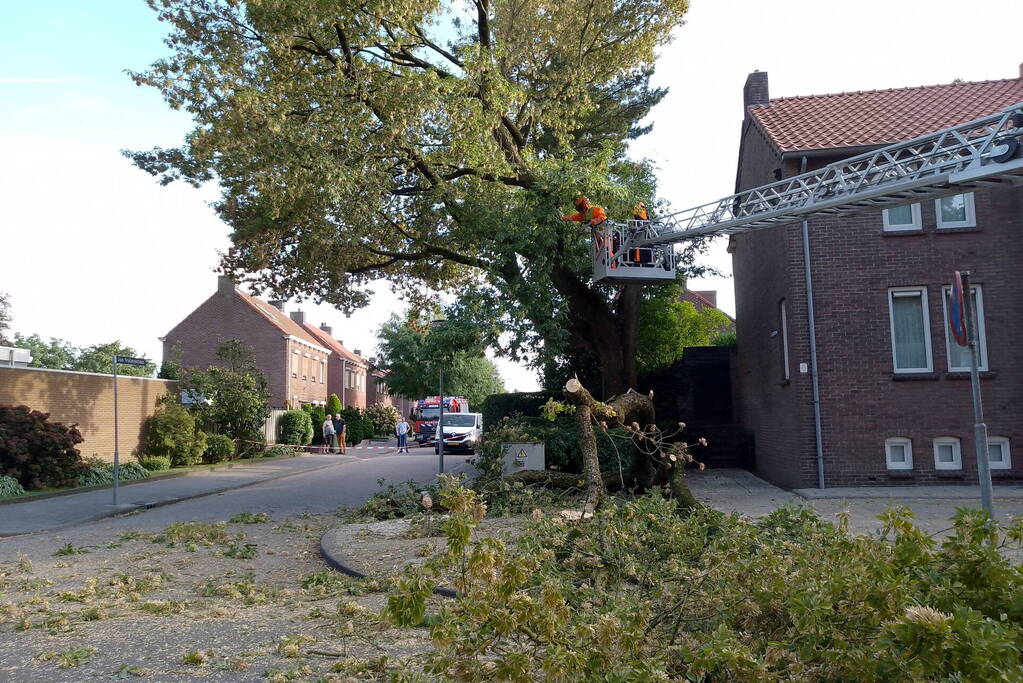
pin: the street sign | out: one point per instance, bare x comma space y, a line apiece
128, 360
956, 319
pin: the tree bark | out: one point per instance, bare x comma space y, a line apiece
584, 405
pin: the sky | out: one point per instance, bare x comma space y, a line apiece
92, 249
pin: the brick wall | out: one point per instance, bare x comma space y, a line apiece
88, 400
863, 402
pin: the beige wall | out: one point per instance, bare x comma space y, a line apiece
88, 400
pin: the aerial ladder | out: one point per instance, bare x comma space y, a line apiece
983, 152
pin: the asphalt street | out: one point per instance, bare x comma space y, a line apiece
336, 482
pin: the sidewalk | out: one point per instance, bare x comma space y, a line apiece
922, 492
50, 514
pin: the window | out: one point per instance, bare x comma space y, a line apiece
784, 340
898, 452
294, 362
959, 356
911, 334
956, 211
348, 379
947, 455
323, 366
998, 453
905, 217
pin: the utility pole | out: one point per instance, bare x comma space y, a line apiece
117, 459
440, 421
979, 428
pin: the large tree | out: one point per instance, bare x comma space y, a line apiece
412, 353
58, 354
429, 143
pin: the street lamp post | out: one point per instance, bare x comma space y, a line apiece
439, 435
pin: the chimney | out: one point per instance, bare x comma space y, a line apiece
755, 91
326, 328
1021, 71
278, 304
710, 295
358, 352
225, 284
298, 316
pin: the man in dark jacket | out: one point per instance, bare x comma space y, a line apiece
339, 433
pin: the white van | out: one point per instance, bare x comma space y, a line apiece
462, 431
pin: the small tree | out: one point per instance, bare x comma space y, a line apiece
353, 425
231, 397
333, 405
171, 432
296, 427
37, 452
219, 447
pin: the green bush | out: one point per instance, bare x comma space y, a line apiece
9, 487
295, 427
383, 418
318, 415
98, 473
725, 339
281, 450
644, 593
219, 447
36, 452
155, 463
333, 405
561, 442
353, 425
171, 432
498, 406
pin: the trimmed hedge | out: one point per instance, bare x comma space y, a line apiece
526, 403
171, 432
295, 427
98, 473
155, 463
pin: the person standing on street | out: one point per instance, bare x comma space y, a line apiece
401, 430
328, 435
339, 433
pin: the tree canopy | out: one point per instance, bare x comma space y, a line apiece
667, 325
412, 354
432, 144
58, 354
231, 397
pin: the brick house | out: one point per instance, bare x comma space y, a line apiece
894, 392
379, 392
294, 361
346, 371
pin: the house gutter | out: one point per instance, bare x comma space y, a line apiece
813, 347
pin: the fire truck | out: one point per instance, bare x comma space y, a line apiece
428, 410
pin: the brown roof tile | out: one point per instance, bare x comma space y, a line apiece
877, 117
279, 319
334, 345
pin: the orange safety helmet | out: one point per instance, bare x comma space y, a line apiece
581, 202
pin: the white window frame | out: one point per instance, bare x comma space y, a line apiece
917, 224
784, 340
294, 363
323, 369
957, 453
971, 213
894, 292
978, 319
1006, 462
898, 441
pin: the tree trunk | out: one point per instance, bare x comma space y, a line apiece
584, 405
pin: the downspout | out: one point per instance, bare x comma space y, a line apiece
813, 347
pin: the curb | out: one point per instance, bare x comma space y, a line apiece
339, 565
135, 507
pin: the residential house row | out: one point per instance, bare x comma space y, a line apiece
302, 363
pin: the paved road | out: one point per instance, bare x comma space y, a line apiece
314, 483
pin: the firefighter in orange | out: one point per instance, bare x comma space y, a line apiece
586, 212
639, 212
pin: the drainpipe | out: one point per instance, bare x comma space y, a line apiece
813, 347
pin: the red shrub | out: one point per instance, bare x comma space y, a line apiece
36, 452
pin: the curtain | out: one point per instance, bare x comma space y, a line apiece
910, 338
